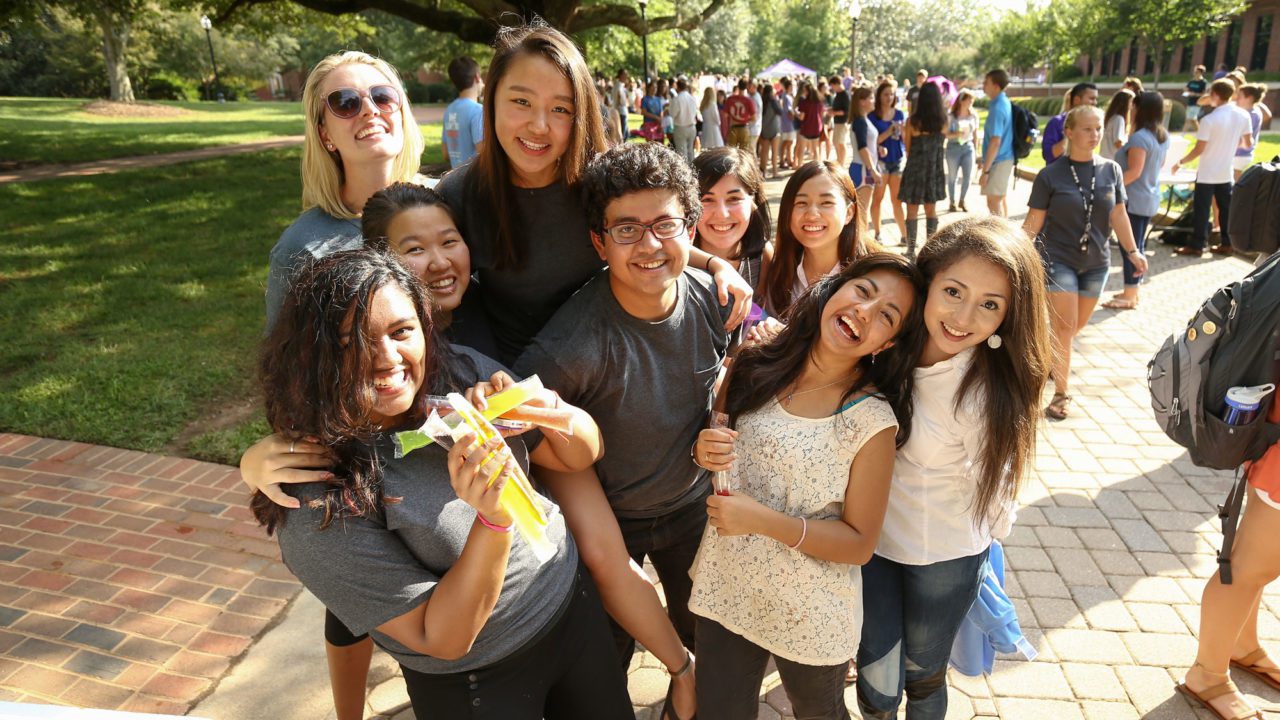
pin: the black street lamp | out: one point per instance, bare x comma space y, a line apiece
855, 12
644, 40
207, 24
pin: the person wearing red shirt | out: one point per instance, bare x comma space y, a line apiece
741, 111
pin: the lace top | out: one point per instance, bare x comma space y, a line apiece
795, 606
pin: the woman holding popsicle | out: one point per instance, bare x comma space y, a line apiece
976, 396
418, 550
518, 202
809, 459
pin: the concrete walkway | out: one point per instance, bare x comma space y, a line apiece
133, 581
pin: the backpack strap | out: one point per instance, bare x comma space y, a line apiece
1229, 514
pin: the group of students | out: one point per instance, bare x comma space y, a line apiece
878, 427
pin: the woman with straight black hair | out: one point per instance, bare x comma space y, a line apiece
924, 179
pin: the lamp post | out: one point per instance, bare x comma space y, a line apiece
855, 11
644, 40
207, 24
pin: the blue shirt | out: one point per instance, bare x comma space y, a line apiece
999, 124
463, 129
893, 146
1054, 131
1144, 192
787, 121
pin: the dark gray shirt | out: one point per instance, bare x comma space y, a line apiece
314, 234
368, 571
1056, 192
552, 226
648, 386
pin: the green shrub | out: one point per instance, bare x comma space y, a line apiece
420, 93
1062, 73
163, 86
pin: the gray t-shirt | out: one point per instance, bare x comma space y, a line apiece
1144, 193
368, 571
560, 258
314, 234
1055, 191
648, 386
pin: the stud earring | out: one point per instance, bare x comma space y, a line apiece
994, 342
331, 147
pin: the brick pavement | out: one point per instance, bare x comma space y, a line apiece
128, 581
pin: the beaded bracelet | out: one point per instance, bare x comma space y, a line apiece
496, 528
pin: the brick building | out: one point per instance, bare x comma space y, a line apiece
1252, 40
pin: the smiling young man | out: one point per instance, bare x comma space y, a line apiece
640, 347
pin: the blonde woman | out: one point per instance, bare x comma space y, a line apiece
711, 137
360, 138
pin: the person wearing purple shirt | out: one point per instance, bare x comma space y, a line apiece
1053, 142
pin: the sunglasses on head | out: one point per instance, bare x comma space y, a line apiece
346, 103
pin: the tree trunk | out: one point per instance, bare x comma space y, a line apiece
115, 45
1158, 51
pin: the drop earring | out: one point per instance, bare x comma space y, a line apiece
994, 342
873, 357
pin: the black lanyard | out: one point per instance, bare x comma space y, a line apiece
1087, 200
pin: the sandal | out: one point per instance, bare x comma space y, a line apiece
1058, 407
1250, 664
1121, 303
668, 711
1215, 692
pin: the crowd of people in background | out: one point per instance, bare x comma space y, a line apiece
879, 409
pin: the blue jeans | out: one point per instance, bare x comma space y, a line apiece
1202, 212
1139, 224
959, 163
911, 614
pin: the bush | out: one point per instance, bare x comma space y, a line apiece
420, 93
1063, 73
163, 86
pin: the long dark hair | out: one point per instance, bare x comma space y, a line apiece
781, 273
1150, 115
761, 372
929, 115
714, 165
316, 384
893, 98
1005, 382
392, 200
489, 176
1119, 105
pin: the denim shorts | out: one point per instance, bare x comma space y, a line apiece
891, 168
1088, 283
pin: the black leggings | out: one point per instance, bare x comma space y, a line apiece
570, 673
337, 634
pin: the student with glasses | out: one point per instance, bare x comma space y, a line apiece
360, 138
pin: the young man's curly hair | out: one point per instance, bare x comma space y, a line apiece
632, 167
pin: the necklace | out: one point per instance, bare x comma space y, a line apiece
786, 401
1087, 200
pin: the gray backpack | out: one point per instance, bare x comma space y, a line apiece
1233, 339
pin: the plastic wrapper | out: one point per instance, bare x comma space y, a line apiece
528, 510
496, 406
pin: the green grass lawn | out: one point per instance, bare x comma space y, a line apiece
131, 304
46, 130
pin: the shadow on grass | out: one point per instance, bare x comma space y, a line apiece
131, 304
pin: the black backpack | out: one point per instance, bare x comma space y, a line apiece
1233, 339
1026, 132
1255, 209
